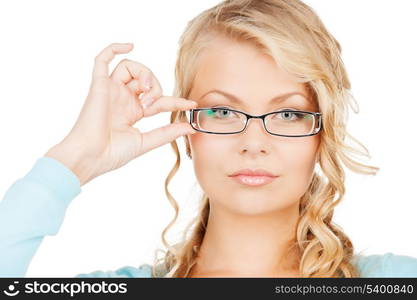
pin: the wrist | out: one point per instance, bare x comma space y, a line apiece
71, 160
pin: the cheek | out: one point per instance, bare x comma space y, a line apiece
208, 159
298, 163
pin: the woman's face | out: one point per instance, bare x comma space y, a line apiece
243, 71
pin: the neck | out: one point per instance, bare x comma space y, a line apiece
250, 246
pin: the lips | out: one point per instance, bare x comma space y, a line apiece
251, 172
250, 177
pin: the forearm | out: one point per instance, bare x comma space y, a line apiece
34, 206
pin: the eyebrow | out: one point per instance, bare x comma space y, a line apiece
234, 99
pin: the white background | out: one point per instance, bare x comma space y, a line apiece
46, 58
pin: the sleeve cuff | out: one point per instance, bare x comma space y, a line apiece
57, 177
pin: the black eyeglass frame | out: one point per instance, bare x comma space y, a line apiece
248, 116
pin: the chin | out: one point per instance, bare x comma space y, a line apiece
253, 205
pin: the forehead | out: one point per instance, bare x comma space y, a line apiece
243, 70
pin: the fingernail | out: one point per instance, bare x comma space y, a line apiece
192, 132
146, 101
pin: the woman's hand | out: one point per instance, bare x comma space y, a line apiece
103, 138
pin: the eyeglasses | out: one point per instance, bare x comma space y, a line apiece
286, 122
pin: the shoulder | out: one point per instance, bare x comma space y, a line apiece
143, 271
386, 265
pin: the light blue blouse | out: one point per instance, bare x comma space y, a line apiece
35, 205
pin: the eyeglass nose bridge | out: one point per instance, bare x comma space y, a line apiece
248, 117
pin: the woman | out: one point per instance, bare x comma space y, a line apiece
267, 135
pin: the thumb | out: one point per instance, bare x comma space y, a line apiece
160, 136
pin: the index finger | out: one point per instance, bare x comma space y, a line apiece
169, 104
102, 60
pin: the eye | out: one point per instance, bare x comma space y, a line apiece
220, 112
288, 114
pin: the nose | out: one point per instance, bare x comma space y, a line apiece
255, 139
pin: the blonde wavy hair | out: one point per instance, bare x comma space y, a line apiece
292, 34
